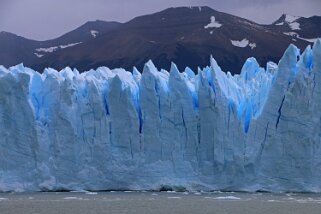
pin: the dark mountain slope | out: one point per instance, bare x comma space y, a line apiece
186, 36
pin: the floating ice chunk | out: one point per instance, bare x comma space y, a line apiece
227, 198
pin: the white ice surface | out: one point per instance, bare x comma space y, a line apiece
113, 129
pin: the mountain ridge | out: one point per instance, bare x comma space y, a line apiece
187, 36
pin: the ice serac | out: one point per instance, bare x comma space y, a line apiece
113, 129
150, 102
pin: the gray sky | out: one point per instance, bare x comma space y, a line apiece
46, 19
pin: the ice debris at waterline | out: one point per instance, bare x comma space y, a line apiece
113, 129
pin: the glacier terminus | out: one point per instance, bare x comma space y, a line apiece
117, 130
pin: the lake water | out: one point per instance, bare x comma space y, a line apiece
159, 202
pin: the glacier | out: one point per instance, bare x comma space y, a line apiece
117, 130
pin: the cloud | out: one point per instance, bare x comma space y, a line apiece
41, 19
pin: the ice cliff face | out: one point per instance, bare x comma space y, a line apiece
113, 129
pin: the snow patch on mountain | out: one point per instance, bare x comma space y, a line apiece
252, 45
39, 55
243, 43
296, 35
213, 23
69, 45
55, 48
291, 21
281, 23
48, 50
290, 18
295, 26
94, 33
293, 34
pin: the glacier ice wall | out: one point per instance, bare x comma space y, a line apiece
112, 129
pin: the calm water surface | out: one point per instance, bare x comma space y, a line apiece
159, 202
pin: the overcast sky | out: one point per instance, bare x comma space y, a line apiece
46, 19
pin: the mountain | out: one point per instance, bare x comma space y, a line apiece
116, 130
185, 35
88, 31
299, 27
16, 49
